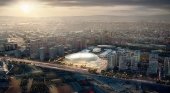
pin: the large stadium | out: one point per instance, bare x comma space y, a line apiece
87, 60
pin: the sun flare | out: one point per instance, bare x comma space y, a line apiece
26, 7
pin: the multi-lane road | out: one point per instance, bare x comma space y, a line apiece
105, 79
45, 64
60, 67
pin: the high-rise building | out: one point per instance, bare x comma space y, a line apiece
102, 37
18, 53
134, 63
60, 50
76, 44
42, 53
33, 47
135, 59
10, 46
2, 48
112, 60
137, 54
153, 64
123, 62
167, 66
79, 45
72, 42
52, 52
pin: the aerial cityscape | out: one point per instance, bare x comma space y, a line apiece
84, 46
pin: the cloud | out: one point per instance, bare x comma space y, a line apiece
160, 4
151, 3
110, 7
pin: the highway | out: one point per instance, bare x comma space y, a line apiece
44, 64
64, 68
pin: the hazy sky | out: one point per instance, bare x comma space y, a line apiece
43, 8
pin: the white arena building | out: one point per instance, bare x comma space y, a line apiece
89, 60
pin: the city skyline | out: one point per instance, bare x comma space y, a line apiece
84, 46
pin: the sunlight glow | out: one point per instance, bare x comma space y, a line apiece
26, 7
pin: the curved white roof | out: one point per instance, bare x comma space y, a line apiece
82, 56
89, 60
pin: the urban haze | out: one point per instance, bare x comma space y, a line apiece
84, 46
